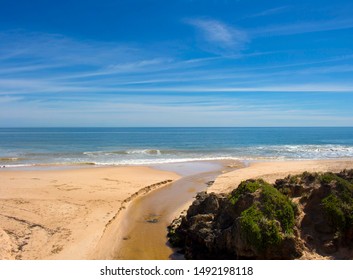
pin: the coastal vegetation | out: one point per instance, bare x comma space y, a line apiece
268, 219
303, 215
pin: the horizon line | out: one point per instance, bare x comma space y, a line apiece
24, 127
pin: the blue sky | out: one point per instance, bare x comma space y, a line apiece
176, 63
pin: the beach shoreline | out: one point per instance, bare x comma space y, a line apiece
63, 214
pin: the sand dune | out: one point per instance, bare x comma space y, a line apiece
270, 171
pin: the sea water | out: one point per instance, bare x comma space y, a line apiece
124, 146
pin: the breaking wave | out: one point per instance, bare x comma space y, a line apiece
160, 156
303, 151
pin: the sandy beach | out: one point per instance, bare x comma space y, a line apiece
62, 214
76, 213
270, 171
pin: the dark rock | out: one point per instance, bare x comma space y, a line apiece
324, 227
204, 204
259, 221
329, 247
209, 183
309, 238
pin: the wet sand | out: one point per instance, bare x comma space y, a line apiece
144, 236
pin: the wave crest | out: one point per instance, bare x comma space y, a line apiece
125, 152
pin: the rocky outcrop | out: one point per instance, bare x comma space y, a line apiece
311, 212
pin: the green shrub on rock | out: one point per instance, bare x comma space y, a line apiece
258, 230
266, 221
245, 187
338, 205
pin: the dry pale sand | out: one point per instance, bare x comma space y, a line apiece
62, 214
270, 171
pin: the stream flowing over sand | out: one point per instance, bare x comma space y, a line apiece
141, 231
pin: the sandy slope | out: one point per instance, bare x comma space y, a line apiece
270, 171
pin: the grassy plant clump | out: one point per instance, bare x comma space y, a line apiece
245, 187
278, 206
269, 218
294, 179
258, 230
338, 205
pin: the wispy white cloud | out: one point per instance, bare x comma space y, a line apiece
269, 12
125, 68
222, 38
30, 87
220, 34
302, 27
4, 70
326, 69
10, 99
322, 87
138, 64
56, 48
113, 82
138, 72
128, 110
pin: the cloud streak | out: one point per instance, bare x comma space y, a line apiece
301, 28
59, 76
269, 12
125, 110
219, 34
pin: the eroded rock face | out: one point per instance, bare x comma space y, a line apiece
258, 220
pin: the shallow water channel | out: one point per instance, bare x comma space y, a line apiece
147, 217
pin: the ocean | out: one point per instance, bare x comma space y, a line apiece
136, 146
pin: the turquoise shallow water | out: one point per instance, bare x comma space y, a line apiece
106, 146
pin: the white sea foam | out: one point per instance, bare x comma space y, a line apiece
162, 161
160, 156
144, 152
16, 165
303, 151
124, 152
